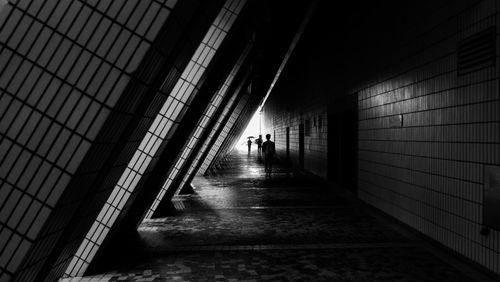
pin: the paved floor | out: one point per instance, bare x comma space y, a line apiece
242, 226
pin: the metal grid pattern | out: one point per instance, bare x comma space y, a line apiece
217, 125
63, 66
200, 128
224, 134
162, 127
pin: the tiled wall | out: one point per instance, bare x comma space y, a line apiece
164, 65
276, 119
214, 150
195, 136
54, 59
427, 133
223, 92
217, 127
159, 133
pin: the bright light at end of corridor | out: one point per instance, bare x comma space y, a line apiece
253, 129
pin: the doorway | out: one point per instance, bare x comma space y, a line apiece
349, 149
288, 144
301, 146
343, 142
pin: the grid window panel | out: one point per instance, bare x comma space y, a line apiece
73, 75
200, 128
18, 167
9, 160
48, 184
79, 22
138, 13
217, 126
106, 86
9, 205
85, 34
38, 223
184, 91
47, 48
13, 63
126, 11
70, 14
4, 13
118, 45
29, 173
77, 112
111, 36
44, 11
5, 234
27, 87
154, 27
14, 17
42, 39
17, 120
117, 90
98, 78
215, 148
5, 57
18, 211
52, 101
9, 251
95, 37
29, 217
203, 122
20, 77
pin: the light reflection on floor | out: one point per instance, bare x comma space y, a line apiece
241, 226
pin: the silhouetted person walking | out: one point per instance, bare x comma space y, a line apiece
269, 150
249, 142
259, 145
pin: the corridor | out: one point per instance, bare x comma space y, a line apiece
387, 113
241, 226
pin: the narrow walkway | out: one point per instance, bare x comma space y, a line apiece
242, 226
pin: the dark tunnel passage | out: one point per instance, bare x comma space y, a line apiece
124, 129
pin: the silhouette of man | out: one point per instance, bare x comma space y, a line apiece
259, 145
269, 150
249, 142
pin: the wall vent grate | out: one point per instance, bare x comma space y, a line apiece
477, 52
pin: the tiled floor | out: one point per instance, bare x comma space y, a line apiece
241, 226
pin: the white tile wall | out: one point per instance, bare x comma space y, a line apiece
428, 173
